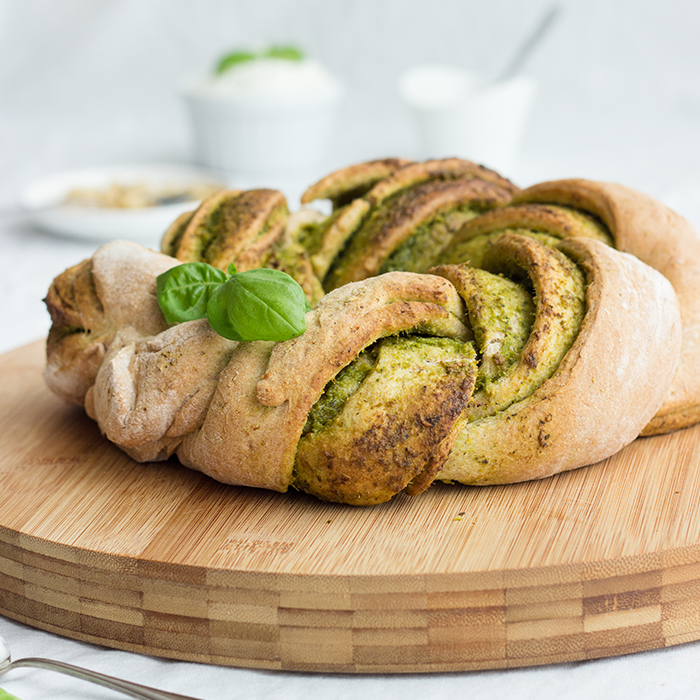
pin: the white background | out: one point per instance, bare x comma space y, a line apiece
85, 82
94, 82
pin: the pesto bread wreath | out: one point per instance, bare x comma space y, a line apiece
530, 356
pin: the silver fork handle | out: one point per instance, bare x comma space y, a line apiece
135, 690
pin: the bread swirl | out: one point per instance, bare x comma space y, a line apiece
646, 228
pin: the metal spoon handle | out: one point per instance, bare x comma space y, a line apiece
531, 42
135, 690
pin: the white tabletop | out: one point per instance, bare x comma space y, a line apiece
619, 100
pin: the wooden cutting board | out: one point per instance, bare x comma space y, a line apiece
158, 559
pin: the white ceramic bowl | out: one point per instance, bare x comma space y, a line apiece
43, 201
281, 126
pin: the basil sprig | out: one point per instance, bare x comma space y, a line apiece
258, 304
235, 58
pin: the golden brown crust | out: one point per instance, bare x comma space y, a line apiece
170, 241
647, 229
442, 169
257, 221
114, 290
79, 333
353, 181
186, 243
251, 229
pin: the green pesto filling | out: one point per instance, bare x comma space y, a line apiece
340, 389
423, 247
588, 225
65, 331
501, 313
472, 251
226, 222
218, 229
169, 247
214, 250
206, 232
292, 259
358, 242
355, 246
277, 215
407, 352
551, 338
311, 235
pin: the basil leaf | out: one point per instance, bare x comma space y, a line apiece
290, 53
4, 695
232, 59
259, 304
185, 290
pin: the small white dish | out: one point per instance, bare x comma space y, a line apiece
265, 116
44, 202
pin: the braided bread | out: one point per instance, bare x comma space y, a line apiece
459, 332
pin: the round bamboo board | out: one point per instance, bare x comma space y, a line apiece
161, 560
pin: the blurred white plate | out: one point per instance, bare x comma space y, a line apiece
43, 201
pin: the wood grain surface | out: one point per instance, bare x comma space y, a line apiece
158, 559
